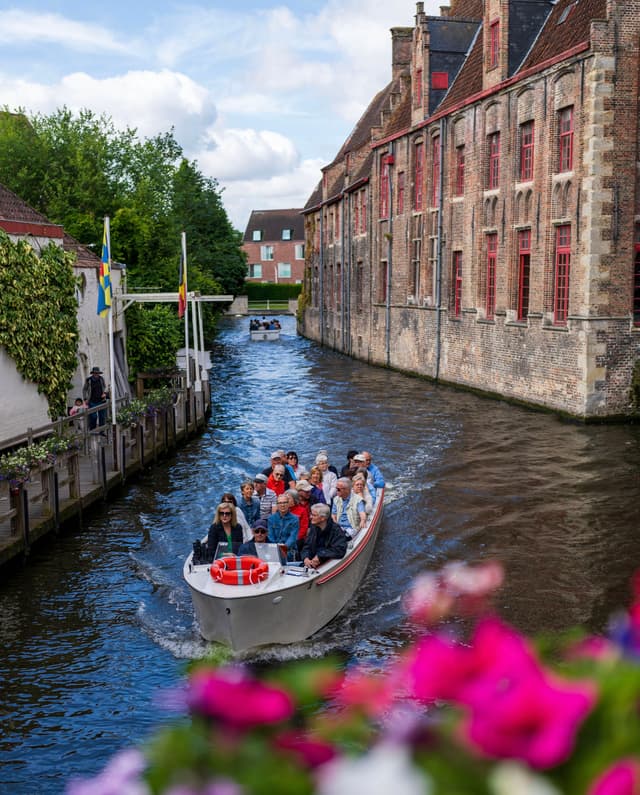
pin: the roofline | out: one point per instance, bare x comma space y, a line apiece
33, 228
576, 50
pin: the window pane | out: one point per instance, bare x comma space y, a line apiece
284, 270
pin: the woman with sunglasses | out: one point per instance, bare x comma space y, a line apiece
294, 464
276, 481
225, 529
241, 519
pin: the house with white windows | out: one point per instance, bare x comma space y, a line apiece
274, 244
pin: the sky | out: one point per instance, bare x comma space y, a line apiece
261, 95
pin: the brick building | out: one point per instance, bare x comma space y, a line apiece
274, 244
481, 224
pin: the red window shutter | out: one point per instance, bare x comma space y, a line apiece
440, 80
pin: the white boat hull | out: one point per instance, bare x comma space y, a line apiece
268, 334
284, 608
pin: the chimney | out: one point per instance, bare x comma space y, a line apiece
445, 11
401, 39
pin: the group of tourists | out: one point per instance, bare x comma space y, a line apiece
256, 324
310, 513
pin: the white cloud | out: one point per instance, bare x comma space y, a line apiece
290, 189
23, 27
152, 102
233, 154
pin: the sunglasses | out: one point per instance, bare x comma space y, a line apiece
259, 532
225, 513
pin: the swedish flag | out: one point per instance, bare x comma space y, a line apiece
104, 286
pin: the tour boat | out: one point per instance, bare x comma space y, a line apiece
281, 603
262, 332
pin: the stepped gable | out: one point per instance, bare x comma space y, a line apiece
272, 222
400, 119
363, 173
559, 36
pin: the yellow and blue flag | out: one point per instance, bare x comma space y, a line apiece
104, 286
182, 288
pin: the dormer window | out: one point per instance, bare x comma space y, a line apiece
256, 235
287, 234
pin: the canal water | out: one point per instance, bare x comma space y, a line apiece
100, 621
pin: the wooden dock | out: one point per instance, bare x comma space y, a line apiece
59, 492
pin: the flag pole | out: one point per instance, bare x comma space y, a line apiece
186, 309
195, 342
112, 365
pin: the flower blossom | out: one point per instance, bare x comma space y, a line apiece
121, 776
510, 778
364, 690
311, 751
237, 700
534, 720
385, 769
622, 778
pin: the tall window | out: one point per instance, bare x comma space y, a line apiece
284, 270
435, 171
255, 271
363, 210
299, 251
492, 255
359, 285
382, 281
493, 151
384, 187
636, 280
459, 175
266, 252
565, 142
417, 87
526, 151
494, 44
524, 265
561, 281
418, 175
456, 284
400, 207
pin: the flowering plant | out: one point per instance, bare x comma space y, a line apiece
480, 711
132, 412
155, 401
16, 466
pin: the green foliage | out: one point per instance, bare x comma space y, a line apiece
77, 168
38, 317
153, 337
272, 292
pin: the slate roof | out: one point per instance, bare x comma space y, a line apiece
85, 257
315, 200
272, 222
361, 134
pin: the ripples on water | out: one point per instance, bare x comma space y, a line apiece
101, 620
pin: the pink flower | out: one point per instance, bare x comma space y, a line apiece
427, 602
237, 700
445, 670
534, 719
480, 580
594, 647
309, 750
362, 689
622, 778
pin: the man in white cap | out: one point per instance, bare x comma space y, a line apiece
266, 496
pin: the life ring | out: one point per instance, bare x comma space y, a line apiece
239, 570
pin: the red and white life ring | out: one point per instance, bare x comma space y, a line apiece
239, 570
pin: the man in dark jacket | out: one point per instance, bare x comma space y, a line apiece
325, 539
95, 394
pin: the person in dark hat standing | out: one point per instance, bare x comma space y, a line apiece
94, 393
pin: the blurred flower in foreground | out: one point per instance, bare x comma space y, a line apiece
623, 778
385, 770
237, 700
510, 778
121, 776
467, 589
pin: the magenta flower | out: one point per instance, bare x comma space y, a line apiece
534, 719
622, 778
427, 602
365, 690
237, 700
311, 751
445, 670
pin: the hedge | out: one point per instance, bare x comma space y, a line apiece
272, 292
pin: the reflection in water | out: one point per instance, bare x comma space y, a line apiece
101, 620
